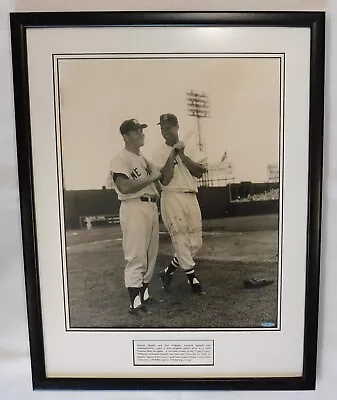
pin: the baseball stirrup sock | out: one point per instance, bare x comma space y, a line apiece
134, 294
171, 269
191, 276
144, 292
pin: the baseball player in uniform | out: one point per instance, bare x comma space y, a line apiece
134, 181
179, 205
89, 224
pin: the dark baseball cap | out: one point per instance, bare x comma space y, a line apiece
130, 125
168, 119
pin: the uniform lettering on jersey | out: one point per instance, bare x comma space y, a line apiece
135, 174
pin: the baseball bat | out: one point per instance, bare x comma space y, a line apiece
187, 136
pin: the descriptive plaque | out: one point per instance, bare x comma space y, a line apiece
173, 352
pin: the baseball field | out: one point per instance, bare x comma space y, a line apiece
234, 250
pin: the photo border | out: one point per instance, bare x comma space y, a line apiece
58, 133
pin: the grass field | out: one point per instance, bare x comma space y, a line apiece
234, 249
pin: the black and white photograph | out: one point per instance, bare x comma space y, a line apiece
170, 169
171, 179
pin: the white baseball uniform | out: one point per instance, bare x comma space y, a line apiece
138, 219
179, 206
89, 225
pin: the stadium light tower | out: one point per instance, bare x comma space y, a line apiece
198, 107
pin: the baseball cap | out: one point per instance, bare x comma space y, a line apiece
130, 125
168, 119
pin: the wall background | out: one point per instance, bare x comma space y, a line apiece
15, 379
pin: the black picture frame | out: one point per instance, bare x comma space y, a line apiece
20, 23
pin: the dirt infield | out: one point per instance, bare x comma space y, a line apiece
233, 250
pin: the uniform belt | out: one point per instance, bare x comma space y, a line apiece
189, 192
149, 199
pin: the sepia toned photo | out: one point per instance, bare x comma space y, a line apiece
170, 176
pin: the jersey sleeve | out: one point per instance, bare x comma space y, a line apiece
118, 165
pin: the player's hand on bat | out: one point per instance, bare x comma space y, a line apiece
179, 147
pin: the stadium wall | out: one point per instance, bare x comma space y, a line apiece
215, 202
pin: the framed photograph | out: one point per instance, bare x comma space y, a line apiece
170, 172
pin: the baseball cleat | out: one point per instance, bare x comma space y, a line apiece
165, 280
197, 289
195, 285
